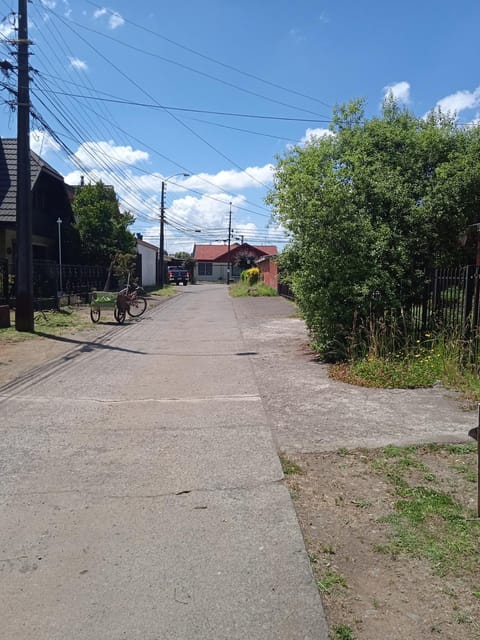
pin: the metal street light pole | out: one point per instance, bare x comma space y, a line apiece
229, 237
59, 222
161, 257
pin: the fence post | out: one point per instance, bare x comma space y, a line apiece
425, 297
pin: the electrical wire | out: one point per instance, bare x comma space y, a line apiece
193, 70
172, 115
211, 59
117, 100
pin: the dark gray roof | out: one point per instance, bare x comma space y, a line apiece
8, 176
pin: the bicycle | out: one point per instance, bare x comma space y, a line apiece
137, 300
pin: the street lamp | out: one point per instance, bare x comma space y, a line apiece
161, 262
59, 223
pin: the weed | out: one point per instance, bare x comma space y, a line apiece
329, 581
342, 632
427, 523
399, 361
289, 467
476, 594
328, 548
362, 504
463, 618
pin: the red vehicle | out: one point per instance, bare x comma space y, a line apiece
178, 275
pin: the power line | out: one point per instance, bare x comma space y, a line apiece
176, 118
192, 69
211, 59
133, 103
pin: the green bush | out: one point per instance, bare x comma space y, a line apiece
369, 208
251, 276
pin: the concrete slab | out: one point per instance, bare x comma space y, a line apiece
187, 567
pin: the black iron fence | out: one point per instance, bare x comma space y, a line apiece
76, 282
451, 301
284, 290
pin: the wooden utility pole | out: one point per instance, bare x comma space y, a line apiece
24, 268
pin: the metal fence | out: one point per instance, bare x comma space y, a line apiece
451, 300
76, 283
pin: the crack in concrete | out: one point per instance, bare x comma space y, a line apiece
148, 496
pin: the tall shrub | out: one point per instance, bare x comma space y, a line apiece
370, 207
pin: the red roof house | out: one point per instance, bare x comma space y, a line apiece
214, 260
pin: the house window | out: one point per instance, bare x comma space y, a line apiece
205, 268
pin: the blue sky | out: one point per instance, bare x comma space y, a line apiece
274, 69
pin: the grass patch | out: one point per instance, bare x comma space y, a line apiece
168, 290
242, 289
342, 632
426, 522
289, 467
330, 581
48, 323
421, 364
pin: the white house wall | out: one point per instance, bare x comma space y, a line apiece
219, 273
149, 265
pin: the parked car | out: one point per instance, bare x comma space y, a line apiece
178, 275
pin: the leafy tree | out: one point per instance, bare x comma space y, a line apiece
182, 255
103, 228
370, 207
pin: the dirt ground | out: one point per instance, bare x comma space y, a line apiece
18, 356
368, 593
24, 352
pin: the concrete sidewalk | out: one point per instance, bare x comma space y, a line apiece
142, 496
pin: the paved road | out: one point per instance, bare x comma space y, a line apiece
308, 411
141, 494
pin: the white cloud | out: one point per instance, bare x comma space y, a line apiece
232, 180
141, 195
94, 154
49, 4
459, 101
6, 30
399, 90
78, 64
312, 134
115, 20
41, 142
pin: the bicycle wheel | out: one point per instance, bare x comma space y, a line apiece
137, 307
95, 315
119, 315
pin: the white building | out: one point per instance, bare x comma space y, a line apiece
149, 253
